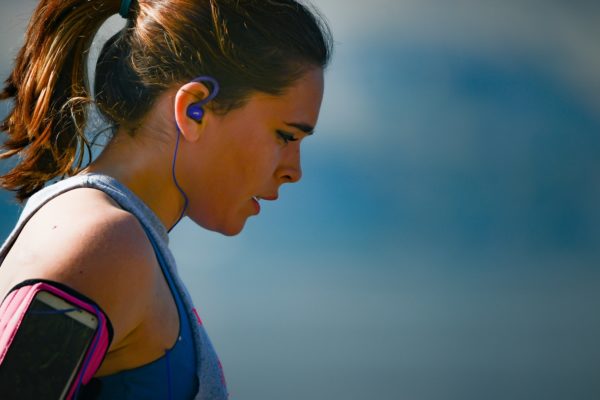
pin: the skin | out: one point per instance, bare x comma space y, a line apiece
222, 163
243, 154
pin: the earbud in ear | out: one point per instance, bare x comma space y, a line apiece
195, 112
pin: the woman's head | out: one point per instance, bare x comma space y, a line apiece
249, 46
244, 155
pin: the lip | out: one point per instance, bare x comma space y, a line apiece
256, 206
270, 198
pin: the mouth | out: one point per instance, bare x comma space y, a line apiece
256, 201
268, 198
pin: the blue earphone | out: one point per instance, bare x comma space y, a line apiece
195, 112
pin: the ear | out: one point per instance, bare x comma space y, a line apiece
188, 94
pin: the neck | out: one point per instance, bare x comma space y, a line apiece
144, 166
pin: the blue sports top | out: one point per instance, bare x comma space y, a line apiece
191, 368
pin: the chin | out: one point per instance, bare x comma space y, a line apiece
226, 229
233, 227
230, 232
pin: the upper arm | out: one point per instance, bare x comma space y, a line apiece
101, 252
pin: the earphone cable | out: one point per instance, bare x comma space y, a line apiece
185, 198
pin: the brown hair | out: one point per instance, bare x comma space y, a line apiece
247, 45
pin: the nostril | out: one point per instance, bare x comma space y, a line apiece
292, 178
290, 175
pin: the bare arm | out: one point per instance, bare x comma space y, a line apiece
82, 240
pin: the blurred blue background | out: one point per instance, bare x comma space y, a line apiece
444, 242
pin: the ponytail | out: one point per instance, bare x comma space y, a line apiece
50, 93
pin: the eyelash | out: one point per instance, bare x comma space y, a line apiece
286, 137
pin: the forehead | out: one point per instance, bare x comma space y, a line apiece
301, 101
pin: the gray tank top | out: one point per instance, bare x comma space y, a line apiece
208, 367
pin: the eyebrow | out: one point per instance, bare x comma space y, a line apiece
306, 128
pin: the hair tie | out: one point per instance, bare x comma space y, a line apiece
125, 6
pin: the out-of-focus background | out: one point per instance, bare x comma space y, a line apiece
444, 242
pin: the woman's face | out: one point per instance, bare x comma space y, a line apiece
247, 154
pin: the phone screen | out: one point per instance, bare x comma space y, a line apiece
45, 353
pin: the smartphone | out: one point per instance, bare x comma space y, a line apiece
47, 350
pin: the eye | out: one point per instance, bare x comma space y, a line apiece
286, 137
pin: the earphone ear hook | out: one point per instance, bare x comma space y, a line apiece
195, 110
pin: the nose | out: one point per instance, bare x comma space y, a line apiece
290, 170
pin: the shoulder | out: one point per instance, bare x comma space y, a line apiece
84, 240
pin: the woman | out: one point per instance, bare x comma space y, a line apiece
209, 101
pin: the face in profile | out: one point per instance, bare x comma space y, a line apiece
244, 156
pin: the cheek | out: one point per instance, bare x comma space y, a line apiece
259, 162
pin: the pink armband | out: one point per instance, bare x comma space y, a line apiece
14, 309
